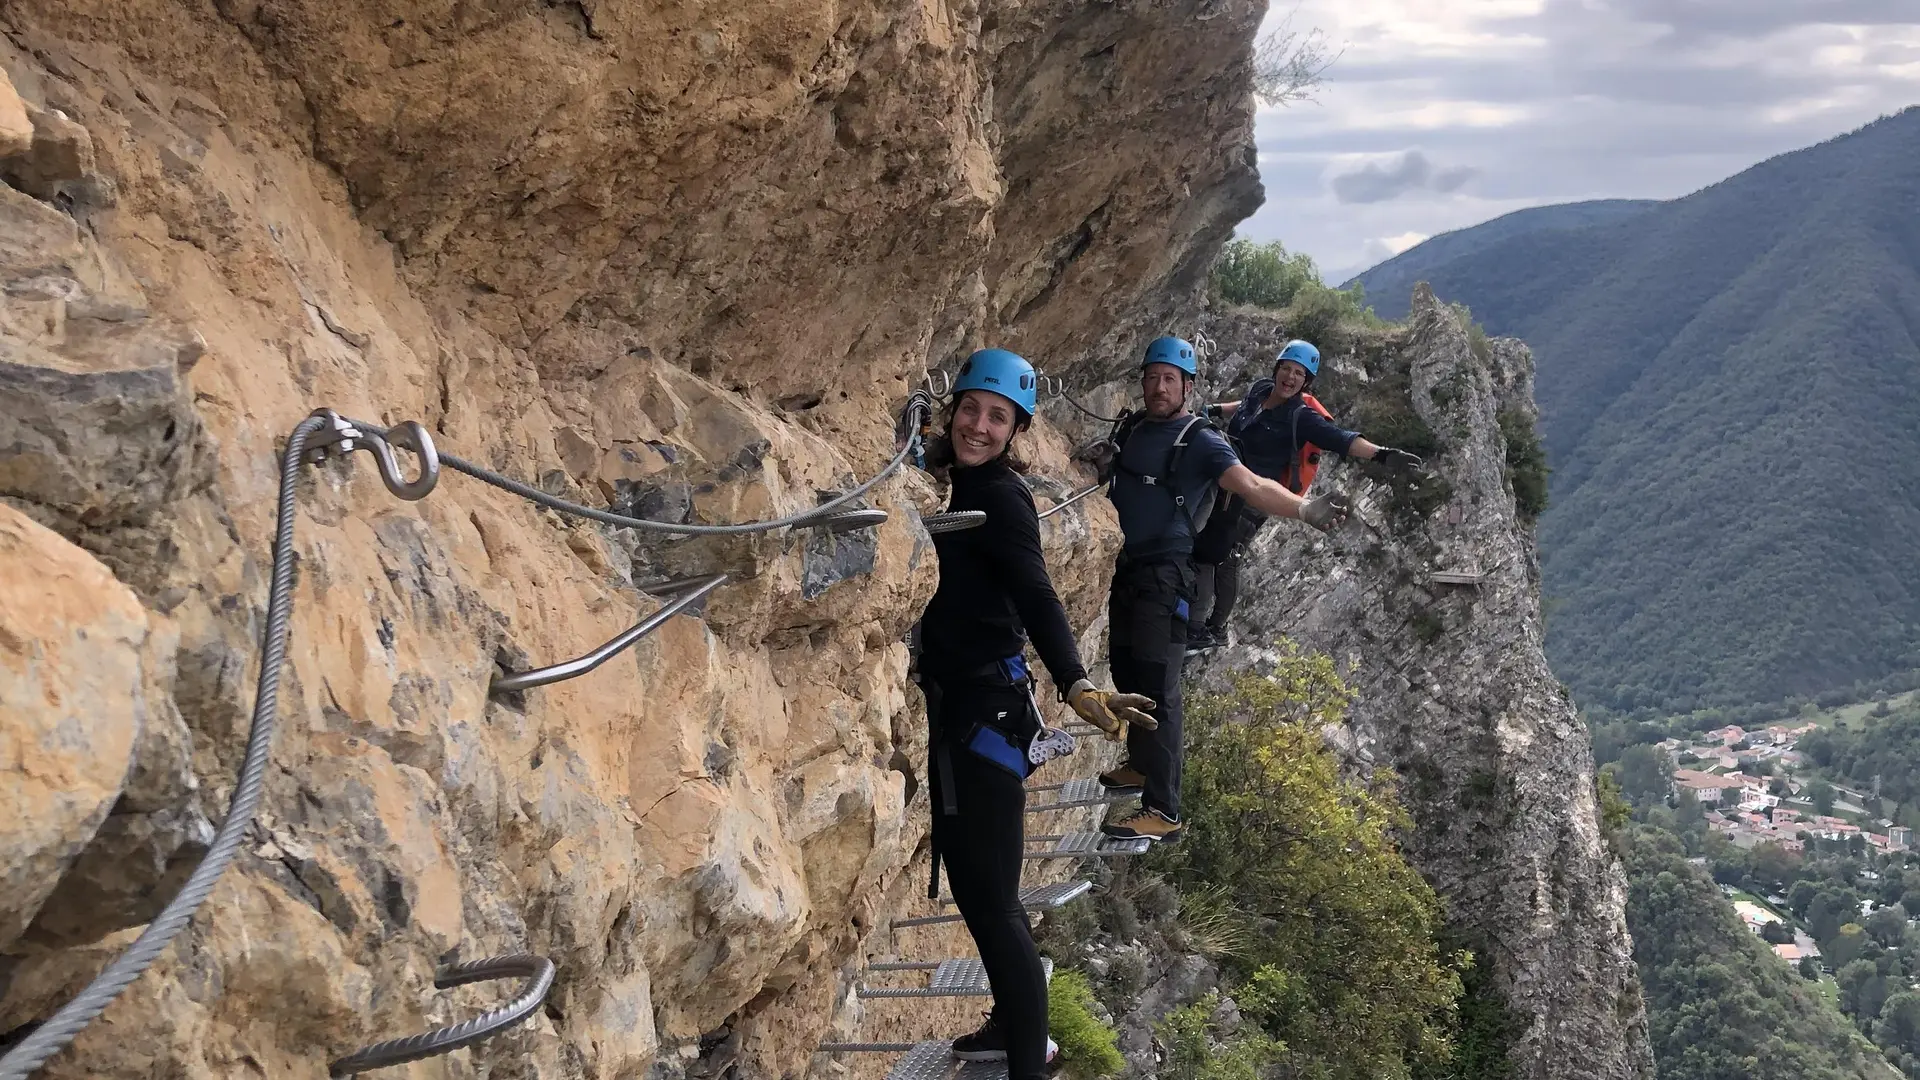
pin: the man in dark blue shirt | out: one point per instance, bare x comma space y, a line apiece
1278, 435
1163, 496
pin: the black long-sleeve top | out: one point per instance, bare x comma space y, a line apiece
994, 585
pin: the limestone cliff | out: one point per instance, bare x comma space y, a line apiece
1429, 597
681, 259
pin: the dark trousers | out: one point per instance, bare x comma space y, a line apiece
981, 845
1216, 589
1216, 555
1147, 613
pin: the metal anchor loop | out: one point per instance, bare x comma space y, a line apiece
411, 436
341, 436
1052, 385
939, 384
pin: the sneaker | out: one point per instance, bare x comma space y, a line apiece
1049, 744
1201, 641
1144, 824
987, 1044
1123, 778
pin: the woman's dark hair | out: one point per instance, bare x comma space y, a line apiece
940, 447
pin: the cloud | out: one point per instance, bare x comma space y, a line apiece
1372, 183
1556, 101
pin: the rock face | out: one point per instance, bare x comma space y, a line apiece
1429, 597
683, 260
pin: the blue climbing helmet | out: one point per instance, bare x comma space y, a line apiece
1171, 350
1302, 353
1000, 372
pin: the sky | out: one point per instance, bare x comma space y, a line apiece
1440, 114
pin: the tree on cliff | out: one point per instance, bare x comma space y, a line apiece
1344, 969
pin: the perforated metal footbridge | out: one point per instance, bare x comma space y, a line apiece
951, 978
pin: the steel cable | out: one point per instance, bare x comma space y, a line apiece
60, 1029
527, 491
539, 973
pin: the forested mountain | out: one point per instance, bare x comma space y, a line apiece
1729, 387
1390, 284
1720, 1005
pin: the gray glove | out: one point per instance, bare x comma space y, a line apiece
1396, 459
1323, 512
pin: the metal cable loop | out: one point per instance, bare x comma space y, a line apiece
539, 973
527, 491
953, 521
59, 1030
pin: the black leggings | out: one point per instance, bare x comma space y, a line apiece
981, 846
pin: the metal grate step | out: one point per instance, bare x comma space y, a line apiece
1077, 845
1038, 898
934, 1061
1086, 791
951, 978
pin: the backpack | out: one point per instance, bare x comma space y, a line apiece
1307, 464
1169, 469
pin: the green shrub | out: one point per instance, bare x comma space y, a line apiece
1345, 972
1198, 1050
1262, 275
1526, 463
1088, 1048
1267, 276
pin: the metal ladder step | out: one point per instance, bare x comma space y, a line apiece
1086, 791
931, 1060
951, 978
1080, 845
1038, 898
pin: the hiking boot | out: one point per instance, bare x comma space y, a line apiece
1144, 823
1123, 778
1200, 641
987, 1044
1049, 744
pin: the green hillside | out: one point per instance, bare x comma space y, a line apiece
1729, 386
1720, 1005
1390, 284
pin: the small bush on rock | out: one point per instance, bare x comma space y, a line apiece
1088, 1047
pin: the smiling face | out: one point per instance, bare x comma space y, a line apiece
983, 424
1164, 388
1289, 378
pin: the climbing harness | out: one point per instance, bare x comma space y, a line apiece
1167, 480
538, 971
321, 436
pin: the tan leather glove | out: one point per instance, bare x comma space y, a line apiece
1110, 710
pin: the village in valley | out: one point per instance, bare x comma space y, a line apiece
1746, 785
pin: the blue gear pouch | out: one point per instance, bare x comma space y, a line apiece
1015, 669
992, 744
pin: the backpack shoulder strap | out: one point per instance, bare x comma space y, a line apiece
1314, 404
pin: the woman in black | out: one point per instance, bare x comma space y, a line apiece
995, 593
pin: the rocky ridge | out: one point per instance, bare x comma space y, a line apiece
681, 261
1429, 599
